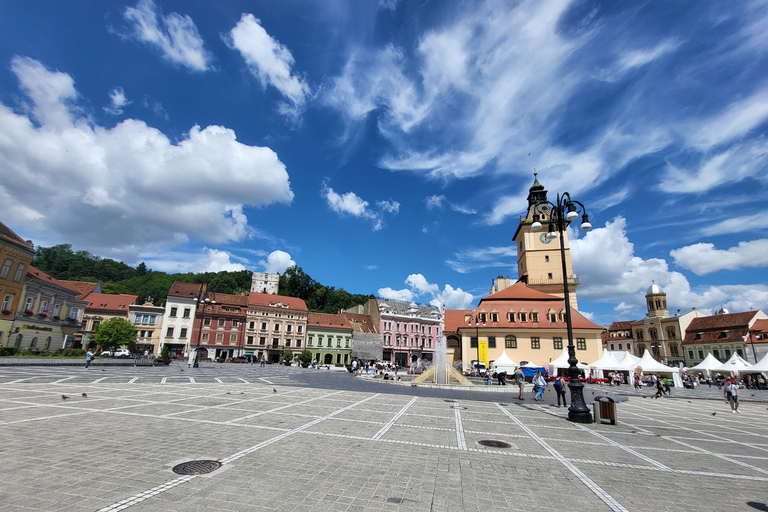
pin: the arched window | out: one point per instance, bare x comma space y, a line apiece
510, 341
671, 333
48, 343
34, 342
639, 334
654, 334
674, 350
640, 349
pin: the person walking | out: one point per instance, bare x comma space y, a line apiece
538, 386
731, 394
659, 387
88, 358
560, 390
520, 381
263, 362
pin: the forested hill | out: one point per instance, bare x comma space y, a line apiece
61, 262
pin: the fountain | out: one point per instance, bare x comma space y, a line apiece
441, 372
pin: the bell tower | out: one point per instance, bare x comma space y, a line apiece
538, 256
656, 299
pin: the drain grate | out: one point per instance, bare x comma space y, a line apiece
197, 467
458, 407
491, 443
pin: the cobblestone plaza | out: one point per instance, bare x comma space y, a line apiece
294, 439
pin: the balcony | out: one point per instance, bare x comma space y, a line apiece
574, 279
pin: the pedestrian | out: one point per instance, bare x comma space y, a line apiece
263, 362
502, 378
88, 358
731, 394
520, 381
488, 379
560, 390
538, 386
659, 387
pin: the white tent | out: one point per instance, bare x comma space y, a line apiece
532, 365
760, 366
504, 363
606, 362
562, 363
734, 365
708, 364
630, 359
649, 365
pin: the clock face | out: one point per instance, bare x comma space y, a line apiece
543, 238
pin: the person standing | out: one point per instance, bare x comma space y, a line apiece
560, 390
263, 362
731, 393
88, 358
659, 387
538, 386
520, 381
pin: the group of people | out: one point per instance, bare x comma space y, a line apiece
539, 385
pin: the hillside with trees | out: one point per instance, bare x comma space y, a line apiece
61, 262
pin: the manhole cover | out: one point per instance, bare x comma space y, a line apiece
196, 467
458, 407
494, 444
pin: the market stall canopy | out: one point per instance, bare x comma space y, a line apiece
504, 363
607, 362
760, 366
562, 363
649, 365
708, 364
734, 365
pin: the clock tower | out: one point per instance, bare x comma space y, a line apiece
538, 257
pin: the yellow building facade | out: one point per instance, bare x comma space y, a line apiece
15, 257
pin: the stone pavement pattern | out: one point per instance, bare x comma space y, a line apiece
294, 447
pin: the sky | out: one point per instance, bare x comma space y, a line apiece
387, 147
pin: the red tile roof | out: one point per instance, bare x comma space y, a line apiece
454, 318
39, 274
9, 236
709, 329
266, 299
519, 291
327, 320
83, 288
759, 331
182, 289
110, 302
361, 322
228, 299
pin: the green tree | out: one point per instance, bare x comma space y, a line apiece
305, 357
115, 333
287, 356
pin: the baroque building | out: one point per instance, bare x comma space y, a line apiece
723, 334
329, 338
219, 325
178, 318
148, 321
15, 257
275, 323
103, 307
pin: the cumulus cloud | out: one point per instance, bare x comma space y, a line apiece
420, 288
704, 258
277, 261
117, 101
174, 35
270, 62
207, 260
117, 190
469, 260
610, 271
350, 203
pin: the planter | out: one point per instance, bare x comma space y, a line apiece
57, 318
43, 315
6, 311
29, 312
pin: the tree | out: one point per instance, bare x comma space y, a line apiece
287, 356
305, 357
115, 333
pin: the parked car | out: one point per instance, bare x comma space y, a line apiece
122, 352
107, 353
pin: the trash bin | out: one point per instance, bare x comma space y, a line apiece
605, 410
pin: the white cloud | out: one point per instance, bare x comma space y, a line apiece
350, 203
118, 190
390, 5
736, 121
207, 260
703, 258
174, 35
625, 277
270, 62
469, 260
117, 101
219, 261
735, 225
418, 286
637, 58
402, 295
389, 206
277, 261
434, 202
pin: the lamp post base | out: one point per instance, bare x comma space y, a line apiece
578, 412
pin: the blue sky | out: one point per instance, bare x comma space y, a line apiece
388, 147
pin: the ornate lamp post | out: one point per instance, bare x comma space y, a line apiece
201, 301
562, 213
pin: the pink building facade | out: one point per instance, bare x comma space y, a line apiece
410, 331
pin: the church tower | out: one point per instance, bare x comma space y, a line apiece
656, 299
538, 257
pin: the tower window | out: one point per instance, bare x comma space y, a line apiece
546, 260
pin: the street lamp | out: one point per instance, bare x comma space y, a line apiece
563, 212
201, 300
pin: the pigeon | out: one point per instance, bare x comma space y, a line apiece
64, 397
273, 389
85, 396
103, 370
182, 370
714, 413
413, 385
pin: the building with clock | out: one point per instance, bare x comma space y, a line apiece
539, 263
